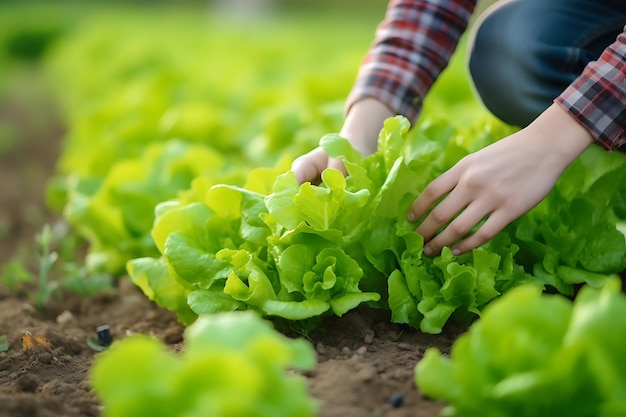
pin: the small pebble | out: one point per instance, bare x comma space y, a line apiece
45, 358
368, 339
396, 400
29, 308
65, 317
320, 348
361, 350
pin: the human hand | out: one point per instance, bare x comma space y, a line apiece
362, 125
498, 183
309, 166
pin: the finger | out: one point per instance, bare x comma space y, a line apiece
337, 164
457, 229
309, 166
494, 224
431, 193
442, 214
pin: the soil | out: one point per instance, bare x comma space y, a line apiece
365, 363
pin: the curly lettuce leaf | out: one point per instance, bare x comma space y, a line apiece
427, 293
239, 249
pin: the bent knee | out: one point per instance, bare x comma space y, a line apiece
513, 63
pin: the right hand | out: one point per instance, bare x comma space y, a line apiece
363, 123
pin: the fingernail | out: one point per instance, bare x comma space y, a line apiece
456, 252
428, 251
410, 216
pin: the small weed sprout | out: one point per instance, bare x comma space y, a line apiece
75, 277
46, 258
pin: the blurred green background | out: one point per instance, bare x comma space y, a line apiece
68, 68
85, 84
29, 27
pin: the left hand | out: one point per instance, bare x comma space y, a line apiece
498, 183
363, 122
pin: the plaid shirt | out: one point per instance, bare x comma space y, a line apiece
415, 41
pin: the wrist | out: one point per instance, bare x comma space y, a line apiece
363, 124
560, 135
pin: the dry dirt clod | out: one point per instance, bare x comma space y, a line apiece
26, 383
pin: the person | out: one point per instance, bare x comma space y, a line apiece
555, 68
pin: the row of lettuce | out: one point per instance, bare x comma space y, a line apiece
176, 171
176, 166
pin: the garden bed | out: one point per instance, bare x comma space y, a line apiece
365, 363
123, 156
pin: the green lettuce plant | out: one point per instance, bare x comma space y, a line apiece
301, 251
233, 365
231, 252
115, 215
534, 354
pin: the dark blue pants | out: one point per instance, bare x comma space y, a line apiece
524, 53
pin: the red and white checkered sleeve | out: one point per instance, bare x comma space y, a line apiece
597, 98
412, 45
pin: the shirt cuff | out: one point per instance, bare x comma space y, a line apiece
597, 98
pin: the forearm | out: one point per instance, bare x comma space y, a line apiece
363, 123
559, 136
412, 46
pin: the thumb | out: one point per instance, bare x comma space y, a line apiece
309, 166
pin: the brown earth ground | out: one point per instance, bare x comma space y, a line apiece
364, 361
